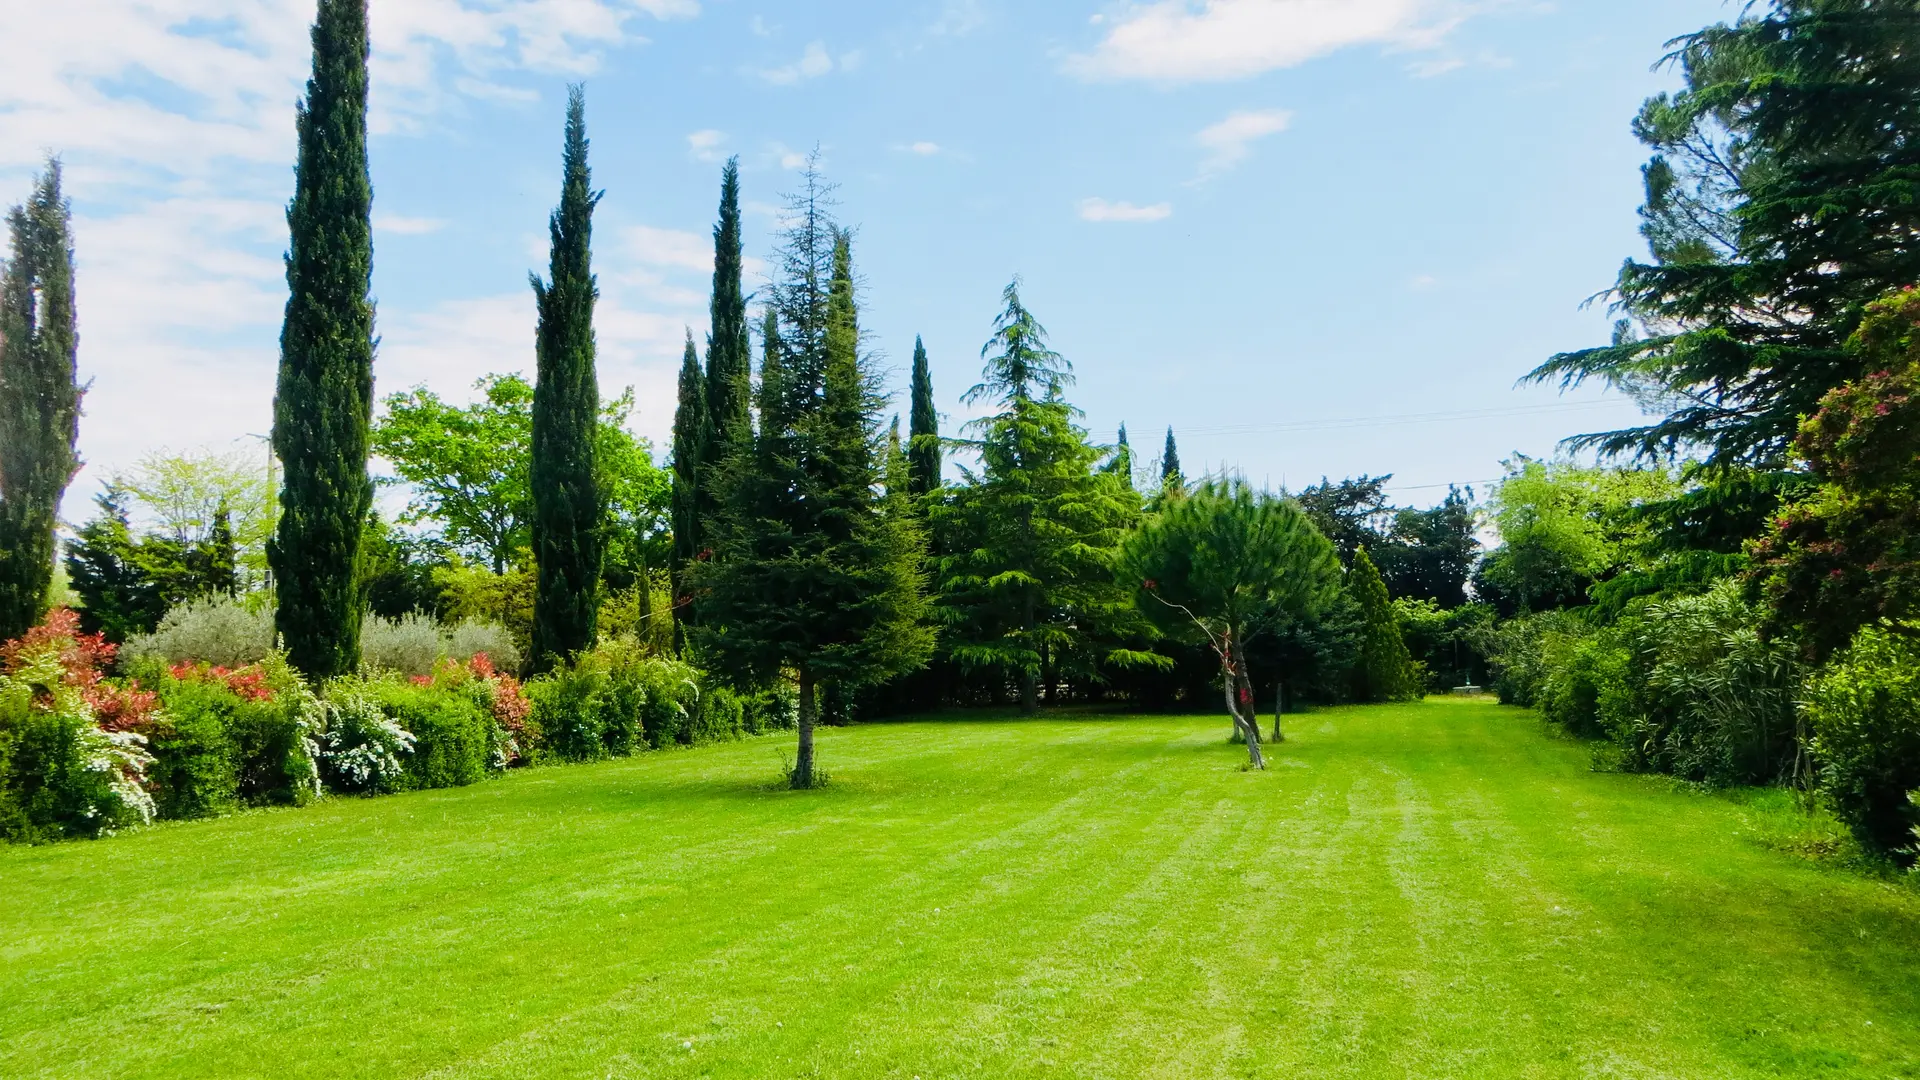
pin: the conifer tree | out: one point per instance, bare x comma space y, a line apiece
118, 597
323, 406
1121, 464
1170, 474
216, 558
691, 433
39, 397
729, 351
1385, 670
568, 540
923, 426
1027, 587
817, 560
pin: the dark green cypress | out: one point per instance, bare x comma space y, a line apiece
39, 398
729, 351
568, 544
1121, 464
1170, 474
323, 405
692, 433
923, 427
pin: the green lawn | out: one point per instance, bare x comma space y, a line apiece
1422, 891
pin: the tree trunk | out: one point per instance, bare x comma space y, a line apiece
803, 762
1243, 724
1279, 709
1029, 691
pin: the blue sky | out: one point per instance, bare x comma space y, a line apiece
1314, 236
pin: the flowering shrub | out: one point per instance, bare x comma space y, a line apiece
61, 773
360, 746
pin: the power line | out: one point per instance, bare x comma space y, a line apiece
1396, 420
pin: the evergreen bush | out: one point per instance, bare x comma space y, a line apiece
1864, 712
219, 630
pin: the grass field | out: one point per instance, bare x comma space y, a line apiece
1441, 890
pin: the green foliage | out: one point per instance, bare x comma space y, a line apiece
119, 597
1348, 512
617, 700
1429, 554
222, 631
1706, 696
692, 432
230, 737
474, 594
1864, 712
817, 554
1446, 642
569, 544
466, 469
1563, 527
923, 427
1384, 669
323, 406
453, 734
184, 495
1171, 476
1781, 199
728, 380
1027, 588
39, 397
1847, 555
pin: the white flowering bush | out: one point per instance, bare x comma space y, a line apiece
60, 774
359, 745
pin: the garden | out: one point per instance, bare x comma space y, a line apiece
475, 738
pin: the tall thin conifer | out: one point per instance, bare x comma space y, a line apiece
323, 405
923, 426
568, 540
39, 397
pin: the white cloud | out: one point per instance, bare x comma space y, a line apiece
1230, 140
924, 148
958, 18
813, 63
1214, 40
155, 105
407, 226
705, 145
758, 27
669, 247
1097, 209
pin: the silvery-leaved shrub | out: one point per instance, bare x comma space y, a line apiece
409, 645
218, 630
359, 745
473, 638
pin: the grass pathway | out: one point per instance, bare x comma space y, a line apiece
1438, 890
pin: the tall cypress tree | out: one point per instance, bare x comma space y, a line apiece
923, 426
1121, 464
39, 398
692, 433
323, 406
568, 541
729, 351
1170, 474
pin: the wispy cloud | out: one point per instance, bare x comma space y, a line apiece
1097, 209
1216, 40
813, 63
1230, 141
705, 145
924, 148
154, 104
